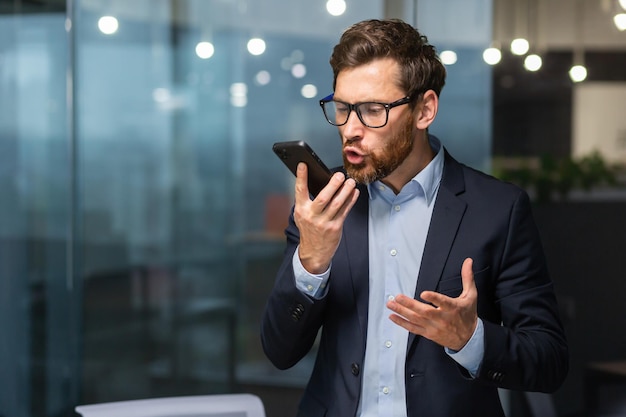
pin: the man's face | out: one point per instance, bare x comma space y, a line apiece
371, 154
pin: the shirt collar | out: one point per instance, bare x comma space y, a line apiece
427, 179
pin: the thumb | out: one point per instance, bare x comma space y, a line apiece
302, 189
467, 275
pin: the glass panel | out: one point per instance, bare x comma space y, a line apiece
175, 196
38, 348
464, 119
181, 200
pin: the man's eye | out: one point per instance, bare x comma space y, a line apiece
372, 108
341, 108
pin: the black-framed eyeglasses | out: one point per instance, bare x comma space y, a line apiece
371, 113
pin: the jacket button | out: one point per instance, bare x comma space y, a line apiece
296, 312
355, 369
495, 376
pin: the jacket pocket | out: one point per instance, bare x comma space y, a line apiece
453, 286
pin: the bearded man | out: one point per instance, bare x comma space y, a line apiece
427, 278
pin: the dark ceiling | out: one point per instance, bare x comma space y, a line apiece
31, 6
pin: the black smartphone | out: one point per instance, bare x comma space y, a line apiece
293, 152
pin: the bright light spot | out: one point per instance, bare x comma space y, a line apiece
620, 20
519, 46
336, 7
256, 46
623, 4
68, 24
238, 89
238, 94
578, 73
533, 62
492, 56
161, 95
205, 50
448, 57
108, 25
239, 101
298, 70
263, 78
308, 91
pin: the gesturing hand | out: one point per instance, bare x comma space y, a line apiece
320, 221
449, 322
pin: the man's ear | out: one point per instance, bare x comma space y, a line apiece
427, 110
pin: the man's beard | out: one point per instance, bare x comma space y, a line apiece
384, 161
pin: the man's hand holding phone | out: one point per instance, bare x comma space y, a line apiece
320, 221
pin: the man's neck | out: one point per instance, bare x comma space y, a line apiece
415, 162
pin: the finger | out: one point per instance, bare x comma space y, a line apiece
329, 192
302, 188
346, 199
409, 307
467, 279
407, 325
467, 276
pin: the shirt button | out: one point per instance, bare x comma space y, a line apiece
397, 208
391, 297
388, 343
309, 287
385, 390
393, 252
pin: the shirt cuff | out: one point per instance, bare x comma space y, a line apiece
313, 285
471, 355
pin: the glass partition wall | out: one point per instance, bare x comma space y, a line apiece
38, 300
182, 202
142, 207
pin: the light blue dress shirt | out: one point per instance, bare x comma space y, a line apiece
398, 226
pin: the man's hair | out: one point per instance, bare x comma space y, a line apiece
369, 40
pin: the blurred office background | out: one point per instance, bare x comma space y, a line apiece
141, 207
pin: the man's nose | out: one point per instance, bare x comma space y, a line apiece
353, 127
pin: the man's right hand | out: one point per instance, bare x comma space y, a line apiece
320, 221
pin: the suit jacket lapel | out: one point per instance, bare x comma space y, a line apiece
445, 221
357, 250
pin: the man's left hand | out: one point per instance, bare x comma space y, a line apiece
447, 321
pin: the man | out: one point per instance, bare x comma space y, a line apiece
426, 277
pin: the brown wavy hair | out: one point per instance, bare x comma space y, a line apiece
366, 41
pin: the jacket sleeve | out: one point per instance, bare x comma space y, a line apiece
291, 319
527, 350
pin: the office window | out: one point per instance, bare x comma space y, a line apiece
143, 209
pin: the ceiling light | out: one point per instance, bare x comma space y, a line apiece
263, 77
256, 46
448, 57
492, 55
532, 62
108, 25
308, 91
336, 7
519, 46
205, 50
578, 73
620, 21
298, 70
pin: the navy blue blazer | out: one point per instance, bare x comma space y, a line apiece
475, 216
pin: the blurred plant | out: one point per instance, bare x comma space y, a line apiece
553, 177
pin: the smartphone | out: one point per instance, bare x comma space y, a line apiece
293, 152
